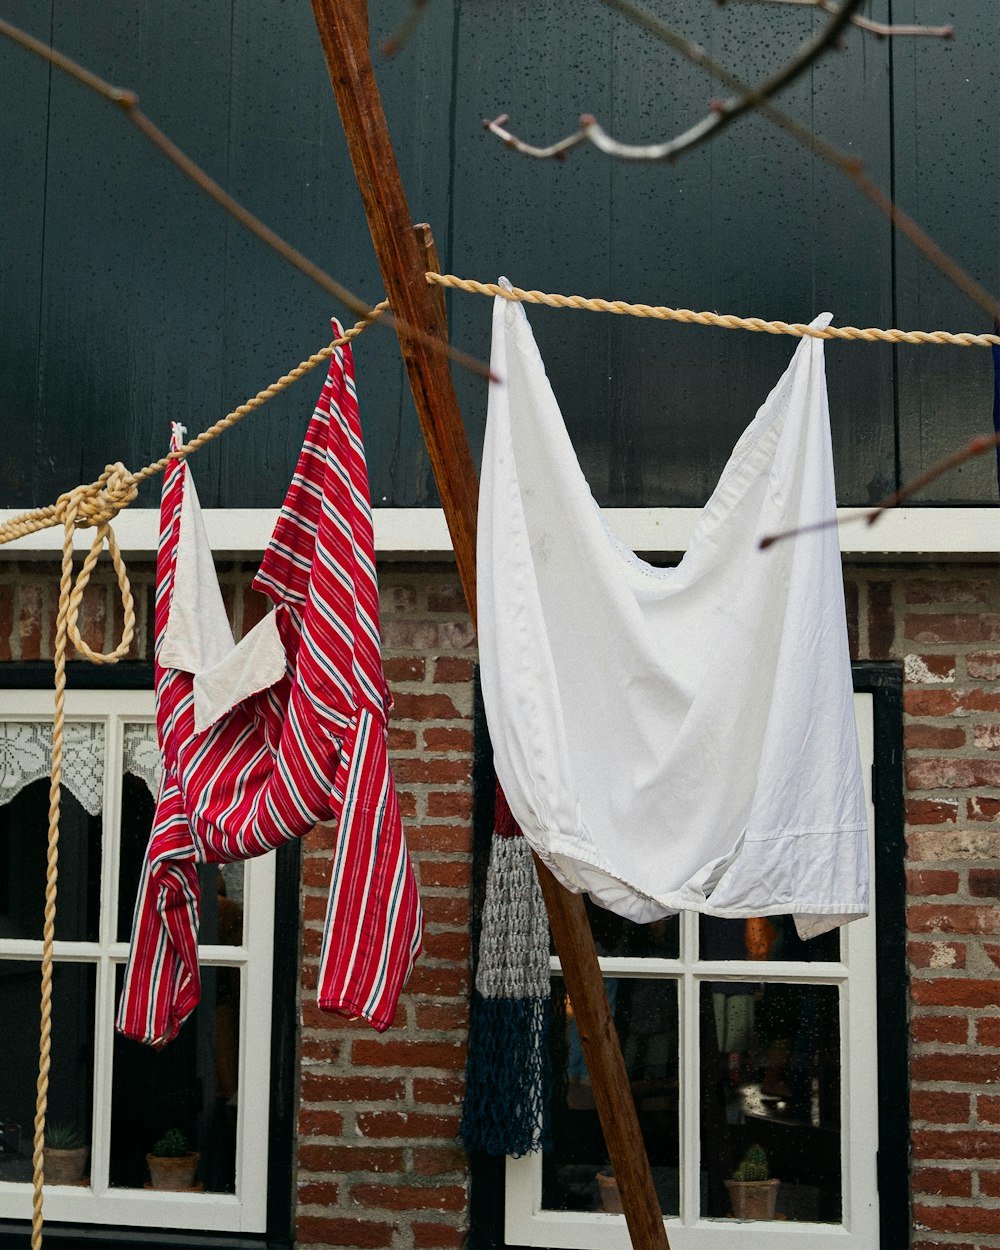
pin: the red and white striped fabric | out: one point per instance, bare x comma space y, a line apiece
310, 747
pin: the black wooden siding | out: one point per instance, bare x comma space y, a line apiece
127, 300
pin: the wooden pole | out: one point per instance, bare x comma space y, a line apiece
343, 30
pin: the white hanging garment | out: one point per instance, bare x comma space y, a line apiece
678, 738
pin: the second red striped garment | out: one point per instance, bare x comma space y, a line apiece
263, 740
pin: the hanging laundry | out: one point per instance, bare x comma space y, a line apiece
677, 738
263, 740
508, 1076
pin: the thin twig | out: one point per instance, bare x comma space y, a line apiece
722, 113
978, 446
881, 30
851, 166
405, 30
128, 102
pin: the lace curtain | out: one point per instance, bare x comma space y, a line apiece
26, 750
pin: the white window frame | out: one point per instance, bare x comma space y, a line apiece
244, 1211
527, 1223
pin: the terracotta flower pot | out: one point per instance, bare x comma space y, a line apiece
172, 1172
65, 1167
753, 1200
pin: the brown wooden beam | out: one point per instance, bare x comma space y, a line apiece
402, 258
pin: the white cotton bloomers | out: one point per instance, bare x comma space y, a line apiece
676, 738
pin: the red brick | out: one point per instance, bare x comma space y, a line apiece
449, 598
953, 1219
447, 739
423, 635
988, 1031
319, 1230
946, 590
320, 1123
439, 838
923, 702
424, 707
401, 740
949, 627
438, 1091
936, 954
452, 945
929, 669
383, 1124
931, 812
956, 992
442, 1016
936, 1245
940, 1106
930, 881
989, 1184
449, 909
933, 737
326, 1048
407, 804
978, 700
436, 771
404, 668
449, 803
316, 871
411, 1197
396, 1052
943, 773
441, 982
952, 918
255, 607
963, 1069
984, 664
318, 1193
437, 1236
993, 951
312, 942
456, 873
984, 882
881, 622
987, 737
450, 668
93, 617
30, 614
982, 808
314, 907
313, 1017
942, 1144
942, 1182
317, 1087
942, 1029
436, 1160
352, 1158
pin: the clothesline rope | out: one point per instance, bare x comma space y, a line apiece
725, 321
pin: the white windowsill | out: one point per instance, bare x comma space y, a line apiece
421, 533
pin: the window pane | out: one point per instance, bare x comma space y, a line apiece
190, 1085
71, 1074
24, 823
645, 1014
613, 935
221, 885
764, 937
770, 1077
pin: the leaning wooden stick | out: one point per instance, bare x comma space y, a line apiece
343, 28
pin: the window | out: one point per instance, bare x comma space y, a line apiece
736, 1035
214, 1081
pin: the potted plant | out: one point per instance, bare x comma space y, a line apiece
65, 1154
752, 1190
172, 1163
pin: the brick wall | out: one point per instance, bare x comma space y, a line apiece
378, 1160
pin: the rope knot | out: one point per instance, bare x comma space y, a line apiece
96, 503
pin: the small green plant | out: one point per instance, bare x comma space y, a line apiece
172, 1145
753, 1166
63, 1136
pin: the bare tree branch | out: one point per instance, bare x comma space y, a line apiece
851, 166
880, 30
128, 102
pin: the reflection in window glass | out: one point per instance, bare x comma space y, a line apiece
23, 824
71, 1077
190, 1085
764, 937
614, 935
770, 1077
576, 1174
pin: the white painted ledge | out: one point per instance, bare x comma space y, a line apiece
421, 533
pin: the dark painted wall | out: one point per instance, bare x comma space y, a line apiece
127, 301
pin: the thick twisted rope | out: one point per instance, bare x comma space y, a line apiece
725, 321
97, 504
